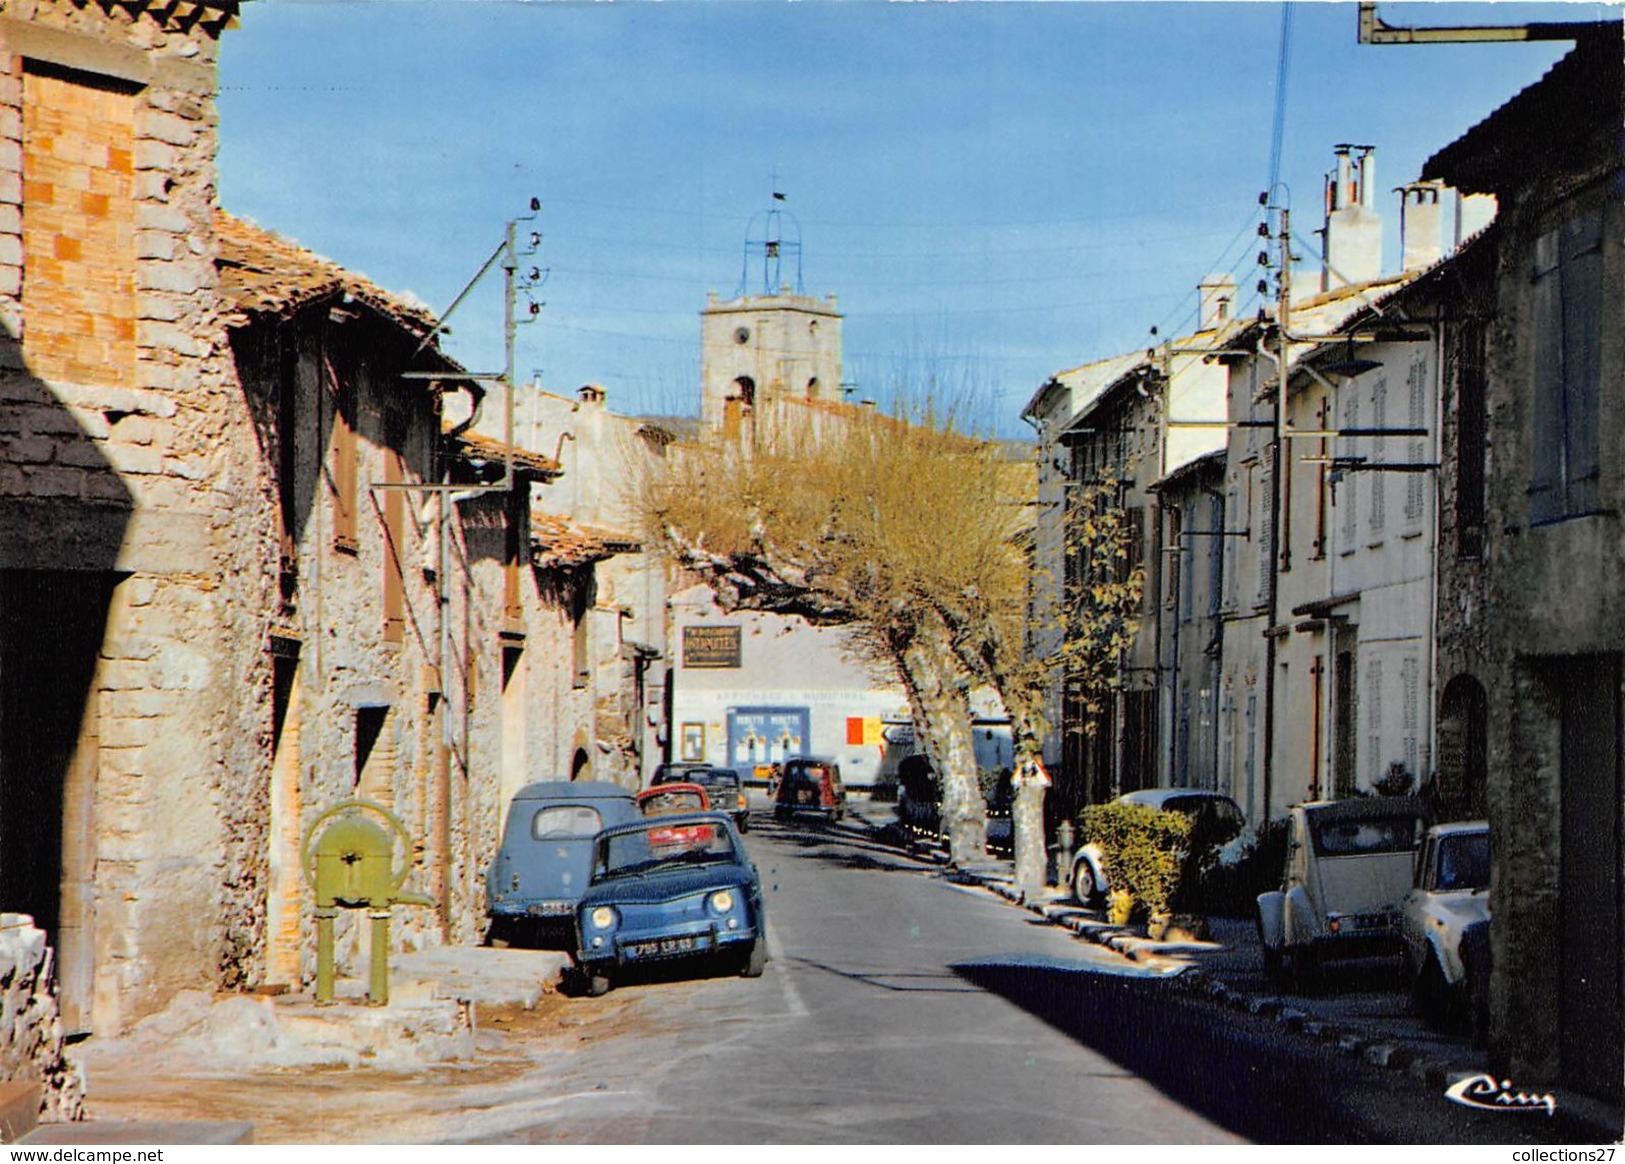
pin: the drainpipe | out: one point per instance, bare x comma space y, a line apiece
1178, 551
1436, 455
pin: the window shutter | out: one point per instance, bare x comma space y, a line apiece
1582, 337
1546, 402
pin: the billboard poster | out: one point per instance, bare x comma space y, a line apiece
765, 735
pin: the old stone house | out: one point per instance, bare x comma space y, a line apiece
1191, 510
590, 522
368, 638
127, 455
1531, 624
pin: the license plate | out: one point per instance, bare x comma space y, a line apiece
550, 909
683, 945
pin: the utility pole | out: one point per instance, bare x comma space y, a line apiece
1280, 495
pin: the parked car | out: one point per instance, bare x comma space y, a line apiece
673, 800
810, 785
1450, 893
723, 786
669, 888
1348, 866
677, 773
541, 867
1214, 815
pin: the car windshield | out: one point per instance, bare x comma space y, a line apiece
660, 846
1464, 861
565, 820
1356, 838
718, 778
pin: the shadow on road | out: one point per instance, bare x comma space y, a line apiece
1233, 1070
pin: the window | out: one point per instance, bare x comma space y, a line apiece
1379, 486
1564, 454
394, 547
1345, 499
1416, 417
346, 456
562, 822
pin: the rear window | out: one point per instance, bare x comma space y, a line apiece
1354, 838
565, 820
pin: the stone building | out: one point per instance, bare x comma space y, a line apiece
1191, 509
371, 638
589, 521
1532, 623
126, 709
1131, 421
758, 349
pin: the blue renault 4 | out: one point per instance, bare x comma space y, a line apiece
542, 865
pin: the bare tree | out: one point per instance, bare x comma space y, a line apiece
898, 529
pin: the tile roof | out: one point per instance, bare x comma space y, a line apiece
557, 541
264, 274
475, 446
1545, 127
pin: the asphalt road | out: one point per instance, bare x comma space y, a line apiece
902, 1008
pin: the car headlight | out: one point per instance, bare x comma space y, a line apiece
722, 901
603, 917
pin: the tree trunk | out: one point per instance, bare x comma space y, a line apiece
1027, 819
939, 693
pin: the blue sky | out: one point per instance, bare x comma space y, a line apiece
994, 191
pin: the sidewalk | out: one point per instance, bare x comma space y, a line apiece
1365, 1013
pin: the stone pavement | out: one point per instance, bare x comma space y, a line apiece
1362, 1010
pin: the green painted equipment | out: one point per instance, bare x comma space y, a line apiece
349, 863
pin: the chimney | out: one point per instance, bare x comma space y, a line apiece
1421, 224
1218, 298
591, 394
1473, 213
1353, 235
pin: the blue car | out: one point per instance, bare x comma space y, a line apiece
669, 887
542, 866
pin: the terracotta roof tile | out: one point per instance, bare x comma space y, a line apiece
478, 447
557, 541
262, 273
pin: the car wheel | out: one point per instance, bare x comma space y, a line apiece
1083, 884
756, 960
595, 983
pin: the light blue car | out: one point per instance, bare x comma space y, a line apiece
543, 864
669, 887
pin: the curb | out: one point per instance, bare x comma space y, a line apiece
1579, 1114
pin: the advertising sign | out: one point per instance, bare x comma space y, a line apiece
710, 647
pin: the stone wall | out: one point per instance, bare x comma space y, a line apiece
32, 1044
128, 451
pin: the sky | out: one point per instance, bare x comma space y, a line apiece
994, 192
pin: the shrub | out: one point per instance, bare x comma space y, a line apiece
1231, 887
1144, 848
